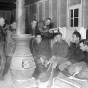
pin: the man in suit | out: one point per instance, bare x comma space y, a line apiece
2, 44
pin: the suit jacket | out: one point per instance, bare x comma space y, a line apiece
43, 48
60, 49
75, 54
2, 34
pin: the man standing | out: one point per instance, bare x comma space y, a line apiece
44, 26
10, 44
2, 44
2, 23
34, 28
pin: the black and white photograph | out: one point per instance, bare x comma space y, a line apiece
43, 43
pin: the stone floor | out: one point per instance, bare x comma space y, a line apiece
8, 83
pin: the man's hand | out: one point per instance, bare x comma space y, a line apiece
43, 59
46, 63
54, 65
52, 59
77, 69
64, 65
61, 59
50, 31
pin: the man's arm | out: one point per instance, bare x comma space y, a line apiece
65, 52
53, 51
71, 53
35, 53
83, 74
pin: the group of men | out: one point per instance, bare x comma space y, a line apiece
7, 45
41, 27
61, 57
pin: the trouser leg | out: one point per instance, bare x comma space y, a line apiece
38, 71
7, 65
2, 64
